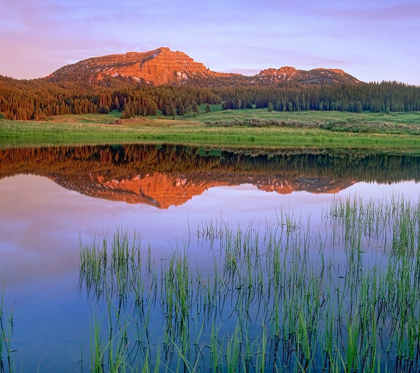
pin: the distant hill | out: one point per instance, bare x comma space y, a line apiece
165, 67
315, 76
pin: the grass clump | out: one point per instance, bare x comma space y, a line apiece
6, 332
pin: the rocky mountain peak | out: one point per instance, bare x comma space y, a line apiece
163, 66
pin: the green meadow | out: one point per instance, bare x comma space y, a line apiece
249, 127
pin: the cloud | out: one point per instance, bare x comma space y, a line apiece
39, 37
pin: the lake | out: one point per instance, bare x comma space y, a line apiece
191, 211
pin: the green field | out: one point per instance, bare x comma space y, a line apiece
100, 128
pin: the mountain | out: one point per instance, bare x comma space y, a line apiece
315, 76
165, 67
160, 66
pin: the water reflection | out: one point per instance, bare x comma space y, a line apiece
42, 218
169, 175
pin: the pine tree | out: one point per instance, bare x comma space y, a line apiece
117, 103
181, 109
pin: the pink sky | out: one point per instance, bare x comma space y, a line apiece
372, 40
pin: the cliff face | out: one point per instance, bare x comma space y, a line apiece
159, 66
163, 66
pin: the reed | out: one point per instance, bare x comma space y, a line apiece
6, 333
342, 296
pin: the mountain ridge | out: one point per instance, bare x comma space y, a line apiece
163, 66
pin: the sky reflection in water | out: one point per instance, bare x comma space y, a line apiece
41, 223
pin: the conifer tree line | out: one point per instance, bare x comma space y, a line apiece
374, 97
37, 99
40, 99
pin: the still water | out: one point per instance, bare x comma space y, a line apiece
53, 198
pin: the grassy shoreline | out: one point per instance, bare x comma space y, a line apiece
95, 129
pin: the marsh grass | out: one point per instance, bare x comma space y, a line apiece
6, 332
340, 297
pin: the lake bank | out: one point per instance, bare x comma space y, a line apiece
30, 133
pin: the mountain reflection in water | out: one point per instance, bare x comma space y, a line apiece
170, 175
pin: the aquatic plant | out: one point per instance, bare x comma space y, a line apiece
342, 296
6, 331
